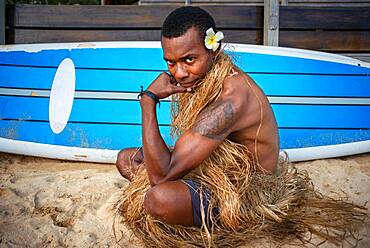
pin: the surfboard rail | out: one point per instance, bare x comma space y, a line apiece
110, 156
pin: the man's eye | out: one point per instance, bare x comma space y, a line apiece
170, 63
189, 60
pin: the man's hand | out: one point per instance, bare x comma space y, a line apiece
164, 86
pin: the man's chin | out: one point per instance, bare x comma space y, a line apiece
192, 84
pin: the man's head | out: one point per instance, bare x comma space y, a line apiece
182, 19
183, 34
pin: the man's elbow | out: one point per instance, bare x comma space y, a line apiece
157, 179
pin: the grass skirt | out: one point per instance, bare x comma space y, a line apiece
282, 209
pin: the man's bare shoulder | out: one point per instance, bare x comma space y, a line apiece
218, 119
235, 89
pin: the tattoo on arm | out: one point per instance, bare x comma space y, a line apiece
215, 121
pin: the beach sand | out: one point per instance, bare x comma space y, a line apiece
51, 203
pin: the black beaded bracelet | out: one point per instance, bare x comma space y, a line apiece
150, 94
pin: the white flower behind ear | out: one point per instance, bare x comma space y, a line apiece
212, 40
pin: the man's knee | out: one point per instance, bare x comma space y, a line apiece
122, 158
124, 162
155, 202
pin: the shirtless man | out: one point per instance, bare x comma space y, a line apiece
236, 115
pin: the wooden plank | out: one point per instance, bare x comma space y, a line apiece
19, 36
53, 16
224, 2
237, 17
256, 1
361, 56
324, 18
284, 2
2, 22
321, 3
135, 17
271, 23
329, 1
341, 41
40, 36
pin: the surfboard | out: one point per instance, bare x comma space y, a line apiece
78, 101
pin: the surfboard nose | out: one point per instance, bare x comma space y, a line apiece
62, 95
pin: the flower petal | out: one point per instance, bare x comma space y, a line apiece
219, 36
208, 43
210, 32
215, 46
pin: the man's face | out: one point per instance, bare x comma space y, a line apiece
187, 57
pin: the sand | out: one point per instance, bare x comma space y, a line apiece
51, 203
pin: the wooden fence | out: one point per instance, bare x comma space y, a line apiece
316, 3
322, 3
332, 29
2, 22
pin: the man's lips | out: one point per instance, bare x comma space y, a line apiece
191, 84
187, 85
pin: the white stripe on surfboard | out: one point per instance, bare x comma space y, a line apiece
133, 96
318, 100
297, 53
259, 49
78, 94
110, 156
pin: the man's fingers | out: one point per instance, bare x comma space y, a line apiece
178, 89
172, 79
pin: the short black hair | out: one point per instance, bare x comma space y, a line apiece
182, 19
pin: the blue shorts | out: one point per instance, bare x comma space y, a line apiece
194, 188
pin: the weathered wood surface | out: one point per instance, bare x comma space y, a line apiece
330, 41
242, 17
2, 22
271, 23
321, 3
327, 29
130, 17
361, 56
20, 36
324, 18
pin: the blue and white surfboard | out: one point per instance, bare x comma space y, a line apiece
79, 100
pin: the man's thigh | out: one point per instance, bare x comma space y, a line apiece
180, 202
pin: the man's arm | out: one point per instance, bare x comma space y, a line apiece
212, 126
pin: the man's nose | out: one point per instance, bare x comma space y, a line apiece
180, 73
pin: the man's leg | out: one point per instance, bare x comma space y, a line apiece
128, 161
170, 202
